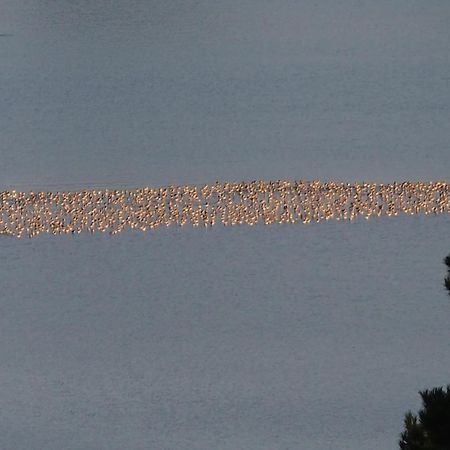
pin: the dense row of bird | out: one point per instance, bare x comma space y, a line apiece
250, 203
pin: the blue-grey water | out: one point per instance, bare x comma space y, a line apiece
159, 92
286, 337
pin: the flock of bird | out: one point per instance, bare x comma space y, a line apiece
249, 203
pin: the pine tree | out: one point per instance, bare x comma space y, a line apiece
430, 428
413, 438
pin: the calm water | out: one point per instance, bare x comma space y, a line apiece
142, 92
266, 338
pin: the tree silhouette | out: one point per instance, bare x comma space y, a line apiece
430, 428
447, 278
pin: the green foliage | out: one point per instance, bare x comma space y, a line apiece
413, 437
430, 428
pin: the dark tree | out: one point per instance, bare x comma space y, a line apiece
447, 278
430, 428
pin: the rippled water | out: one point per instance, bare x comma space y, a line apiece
281, 337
